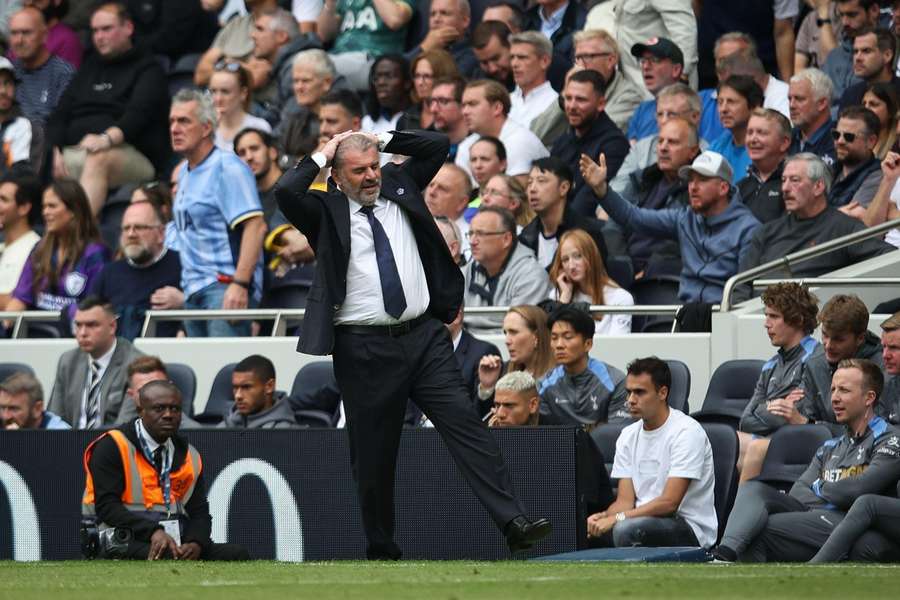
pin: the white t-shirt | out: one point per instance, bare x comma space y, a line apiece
306, 10
250, 121
12, 260
892, 237
612, 296
679, 448
522, 147
546, 249
525, 109
776, 96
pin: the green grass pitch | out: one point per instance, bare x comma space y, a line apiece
518, 580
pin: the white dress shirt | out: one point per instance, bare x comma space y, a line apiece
525, 108
102, 365
776, 96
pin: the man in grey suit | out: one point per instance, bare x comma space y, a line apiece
91, 380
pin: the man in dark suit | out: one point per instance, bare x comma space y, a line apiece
383, 320
91, 380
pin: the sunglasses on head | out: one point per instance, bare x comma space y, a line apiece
836, 135
225, 65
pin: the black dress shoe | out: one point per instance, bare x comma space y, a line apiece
521, 534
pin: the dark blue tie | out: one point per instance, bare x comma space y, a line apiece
391, 287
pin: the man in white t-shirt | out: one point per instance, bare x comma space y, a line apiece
885, 206
664, 465
18, 195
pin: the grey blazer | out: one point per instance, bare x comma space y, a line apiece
71, 378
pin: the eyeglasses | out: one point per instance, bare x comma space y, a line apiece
650, 60
423, 76
848, 137
473, 234
492, 193
227, 65
139, 228
588, 56
440, 101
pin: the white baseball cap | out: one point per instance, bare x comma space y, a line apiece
6, 65
708, 164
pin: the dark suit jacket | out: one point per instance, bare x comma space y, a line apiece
71, 377
469, 353
109, 483
324, 218
573, 20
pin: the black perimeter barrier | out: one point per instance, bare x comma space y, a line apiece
289, 495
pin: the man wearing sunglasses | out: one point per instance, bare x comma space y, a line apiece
858, 171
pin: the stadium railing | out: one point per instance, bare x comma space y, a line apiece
21, 320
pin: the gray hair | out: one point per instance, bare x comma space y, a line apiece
517, 381
819, 82
682, 89
205, 111
465, 9
283, 20
816, 169
736, 36
357, 142
535, 39
604, 36
19, 383
319, 60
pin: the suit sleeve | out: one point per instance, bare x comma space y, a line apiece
109, 483
882, 473
428, 150
57, 403
302, 209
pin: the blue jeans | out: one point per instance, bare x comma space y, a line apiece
210, 298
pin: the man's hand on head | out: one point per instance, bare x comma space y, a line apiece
330, 149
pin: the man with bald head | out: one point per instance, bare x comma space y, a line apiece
448, 195
384, 290
43, 77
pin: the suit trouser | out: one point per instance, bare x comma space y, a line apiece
377, 374
869, 532
766, 525
140, 550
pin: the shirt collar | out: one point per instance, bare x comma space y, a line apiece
152, 444
555, 20
456, 340
355, 206
104, 360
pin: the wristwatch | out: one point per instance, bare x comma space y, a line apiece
820, 22
620, 516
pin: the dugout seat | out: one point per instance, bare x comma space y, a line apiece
221, 397
185, 380
680, 389
605, 437
730, 389
791, 448
725, 448
662, 289
315, 388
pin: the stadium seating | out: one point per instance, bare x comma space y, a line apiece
221, 397
185, 380
654, 290
725, 449
791, 449
730, 388
605, 437
315, 388
681, 385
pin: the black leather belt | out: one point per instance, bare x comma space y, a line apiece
388, 330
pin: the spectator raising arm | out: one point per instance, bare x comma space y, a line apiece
883, 208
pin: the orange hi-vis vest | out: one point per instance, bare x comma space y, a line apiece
143, 492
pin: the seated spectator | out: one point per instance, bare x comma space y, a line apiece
388, 93
858, 171
257, 405
845, 334
516, 401
885, 206
217, 205
485, 110
790, 311
883, 100
874, 56
767, 525
339, 111
657, 187
448, 26
173, 28
234, 42
597, 50
809, 220
425, 69
468, 351
581, 390
62, 41
664, 464
713, 233
109, 126
360, 30
277, 40
768, 139
505, 191
22, 405
141, 371
90, 384
889, 405
527, 339
530, 54
820, 31
549, 184
503, 272
158, 194
19, 198
856, 16
736, 53
64, 264
446, 107
230, 89
810, 102
676, 100
737, 97
590, 132
452, 236
490, 44
558, 20
447, 195
17, 135
148, 277
579, 276
487, 158
662, 64
313, 76
42, 76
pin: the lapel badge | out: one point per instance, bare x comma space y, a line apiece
400, 191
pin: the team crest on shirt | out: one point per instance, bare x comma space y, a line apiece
75, 283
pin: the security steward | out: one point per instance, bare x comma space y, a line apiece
144, 489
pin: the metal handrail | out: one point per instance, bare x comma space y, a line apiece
830, 281
21, 319
802, 256
280, 316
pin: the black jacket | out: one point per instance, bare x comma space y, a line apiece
843, 189
603, 136
324, 218
109, 483
129, 91
573, 20
468, 354
173, 27
763, 198
571, 220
